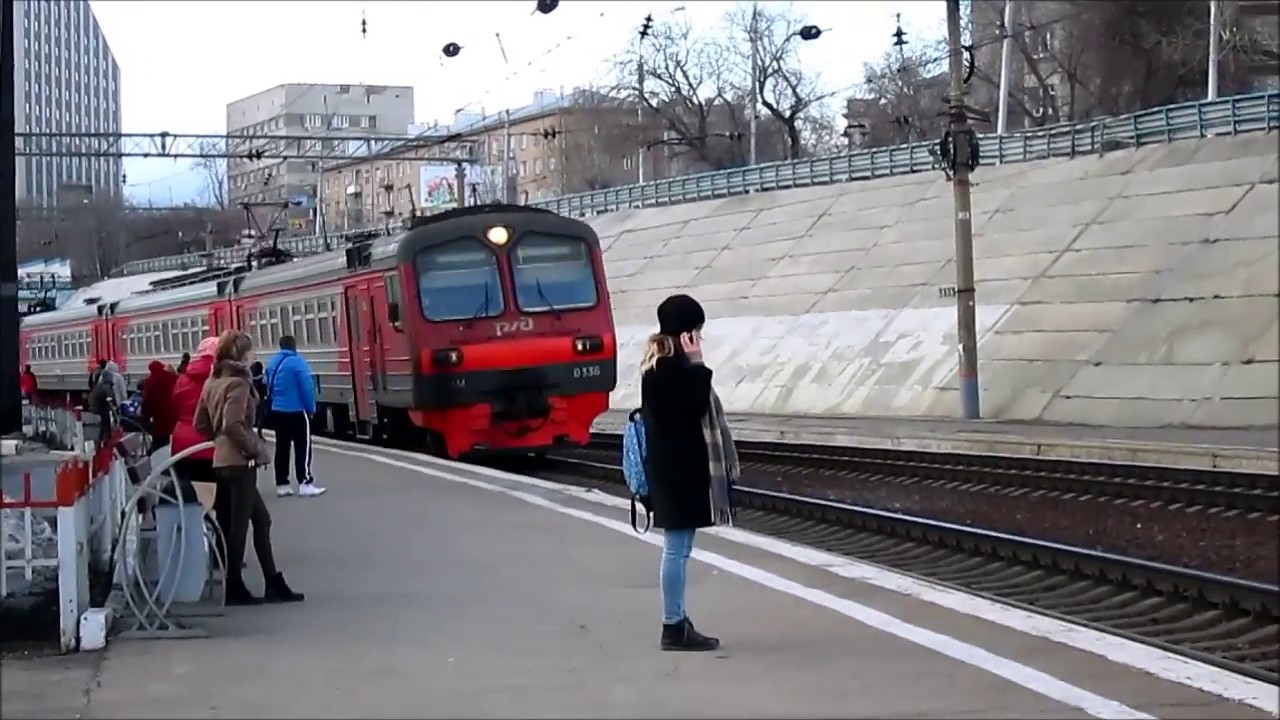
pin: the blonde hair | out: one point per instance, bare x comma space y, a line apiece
658, 346
233, 345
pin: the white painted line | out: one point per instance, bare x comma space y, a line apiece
1015, 672
1154, 661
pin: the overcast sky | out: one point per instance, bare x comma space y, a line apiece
181, 62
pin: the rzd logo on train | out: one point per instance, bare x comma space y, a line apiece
506, 328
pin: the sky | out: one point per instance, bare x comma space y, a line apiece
182, 62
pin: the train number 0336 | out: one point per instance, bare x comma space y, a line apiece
586, 371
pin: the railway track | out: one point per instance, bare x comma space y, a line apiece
1224, 621
1186, 488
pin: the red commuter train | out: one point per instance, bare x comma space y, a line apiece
485, 328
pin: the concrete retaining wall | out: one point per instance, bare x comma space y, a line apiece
1138, 288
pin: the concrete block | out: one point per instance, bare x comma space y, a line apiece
1193, 202
1255, 216
1102, 288
1255, 381
1042, 345
804, 264
794, 213
1145, 259
1227, 173
717, 224
1160, 231
1082, 316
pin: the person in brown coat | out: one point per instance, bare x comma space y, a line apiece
225, 413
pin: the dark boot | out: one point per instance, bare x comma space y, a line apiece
278, 591
238, 594
683, 637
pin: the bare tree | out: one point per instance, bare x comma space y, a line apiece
684, 80
902, 97
791, 95
214, 169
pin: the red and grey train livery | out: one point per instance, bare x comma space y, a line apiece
485, 328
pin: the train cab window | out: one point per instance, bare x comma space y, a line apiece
392, 287
459, 280
552, 272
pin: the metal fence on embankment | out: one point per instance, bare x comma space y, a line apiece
1187, 121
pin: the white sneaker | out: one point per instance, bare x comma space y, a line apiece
284, 490
311, 490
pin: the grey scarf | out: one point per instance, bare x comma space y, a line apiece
723, 458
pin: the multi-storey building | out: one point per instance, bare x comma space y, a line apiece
66, 81
321, 111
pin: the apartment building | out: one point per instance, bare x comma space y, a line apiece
67, 80
322, 111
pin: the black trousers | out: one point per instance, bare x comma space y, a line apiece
293, 432
239, 506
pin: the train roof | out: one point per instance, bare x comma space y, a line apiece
164, 290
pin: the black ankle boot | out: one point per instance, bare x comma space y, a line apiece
238, 594
278, 591
682, 636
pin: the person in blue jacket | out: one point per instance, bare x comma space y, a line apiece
291, 395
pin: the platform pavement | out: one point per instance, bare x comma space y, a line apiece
1245, 449
435, 590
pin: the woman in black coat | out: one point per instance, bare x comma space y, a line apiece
675, 394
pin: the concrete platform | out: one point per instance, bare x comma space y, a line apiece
441, 590
1245, 449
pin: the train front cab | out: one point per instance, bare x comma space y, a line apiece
512, 329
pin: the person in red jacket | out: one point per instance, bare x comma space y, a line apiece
157, 402
186, 395
28, 384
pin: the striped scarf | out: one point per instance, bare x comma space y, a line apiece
723, 458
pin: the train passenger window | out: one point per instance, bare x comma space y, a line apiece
552, 272
327, 331
312, 330
459, 280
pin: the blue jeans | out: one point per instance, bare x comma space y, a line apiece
677, 545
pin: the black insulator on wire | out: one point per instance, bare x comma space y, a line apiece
546, 7
451, 50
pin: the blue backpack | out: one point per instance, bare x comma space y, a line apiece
634, 471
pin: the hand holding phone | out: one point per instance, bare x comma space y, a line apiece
691, 344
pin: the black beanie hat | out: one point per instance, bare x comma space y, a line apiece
680, 314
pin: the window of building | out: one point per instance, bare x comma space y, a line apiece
537, 166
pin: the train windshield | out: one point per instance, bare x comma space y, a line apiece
552, 272
459, 280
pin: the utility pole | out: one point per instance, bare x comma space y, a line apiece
10, 400
1214, 52
753, 41
508, 185
1006, 57
961, 136
460, 178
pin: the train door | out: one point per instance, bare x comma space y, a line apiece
221, 318
361, 341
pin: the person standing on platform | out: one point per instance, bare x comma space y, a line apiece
292, 399
691, 460
96, 373
28, 384
183, 362
224, 414
258, 375
157, 403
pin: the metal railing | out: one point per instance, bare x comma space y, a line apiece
1226, 116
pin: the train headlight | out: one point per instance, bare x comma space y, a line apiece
588, 345
498, 235
447, 357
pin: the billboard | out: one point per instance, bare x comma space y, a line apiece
437, 186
